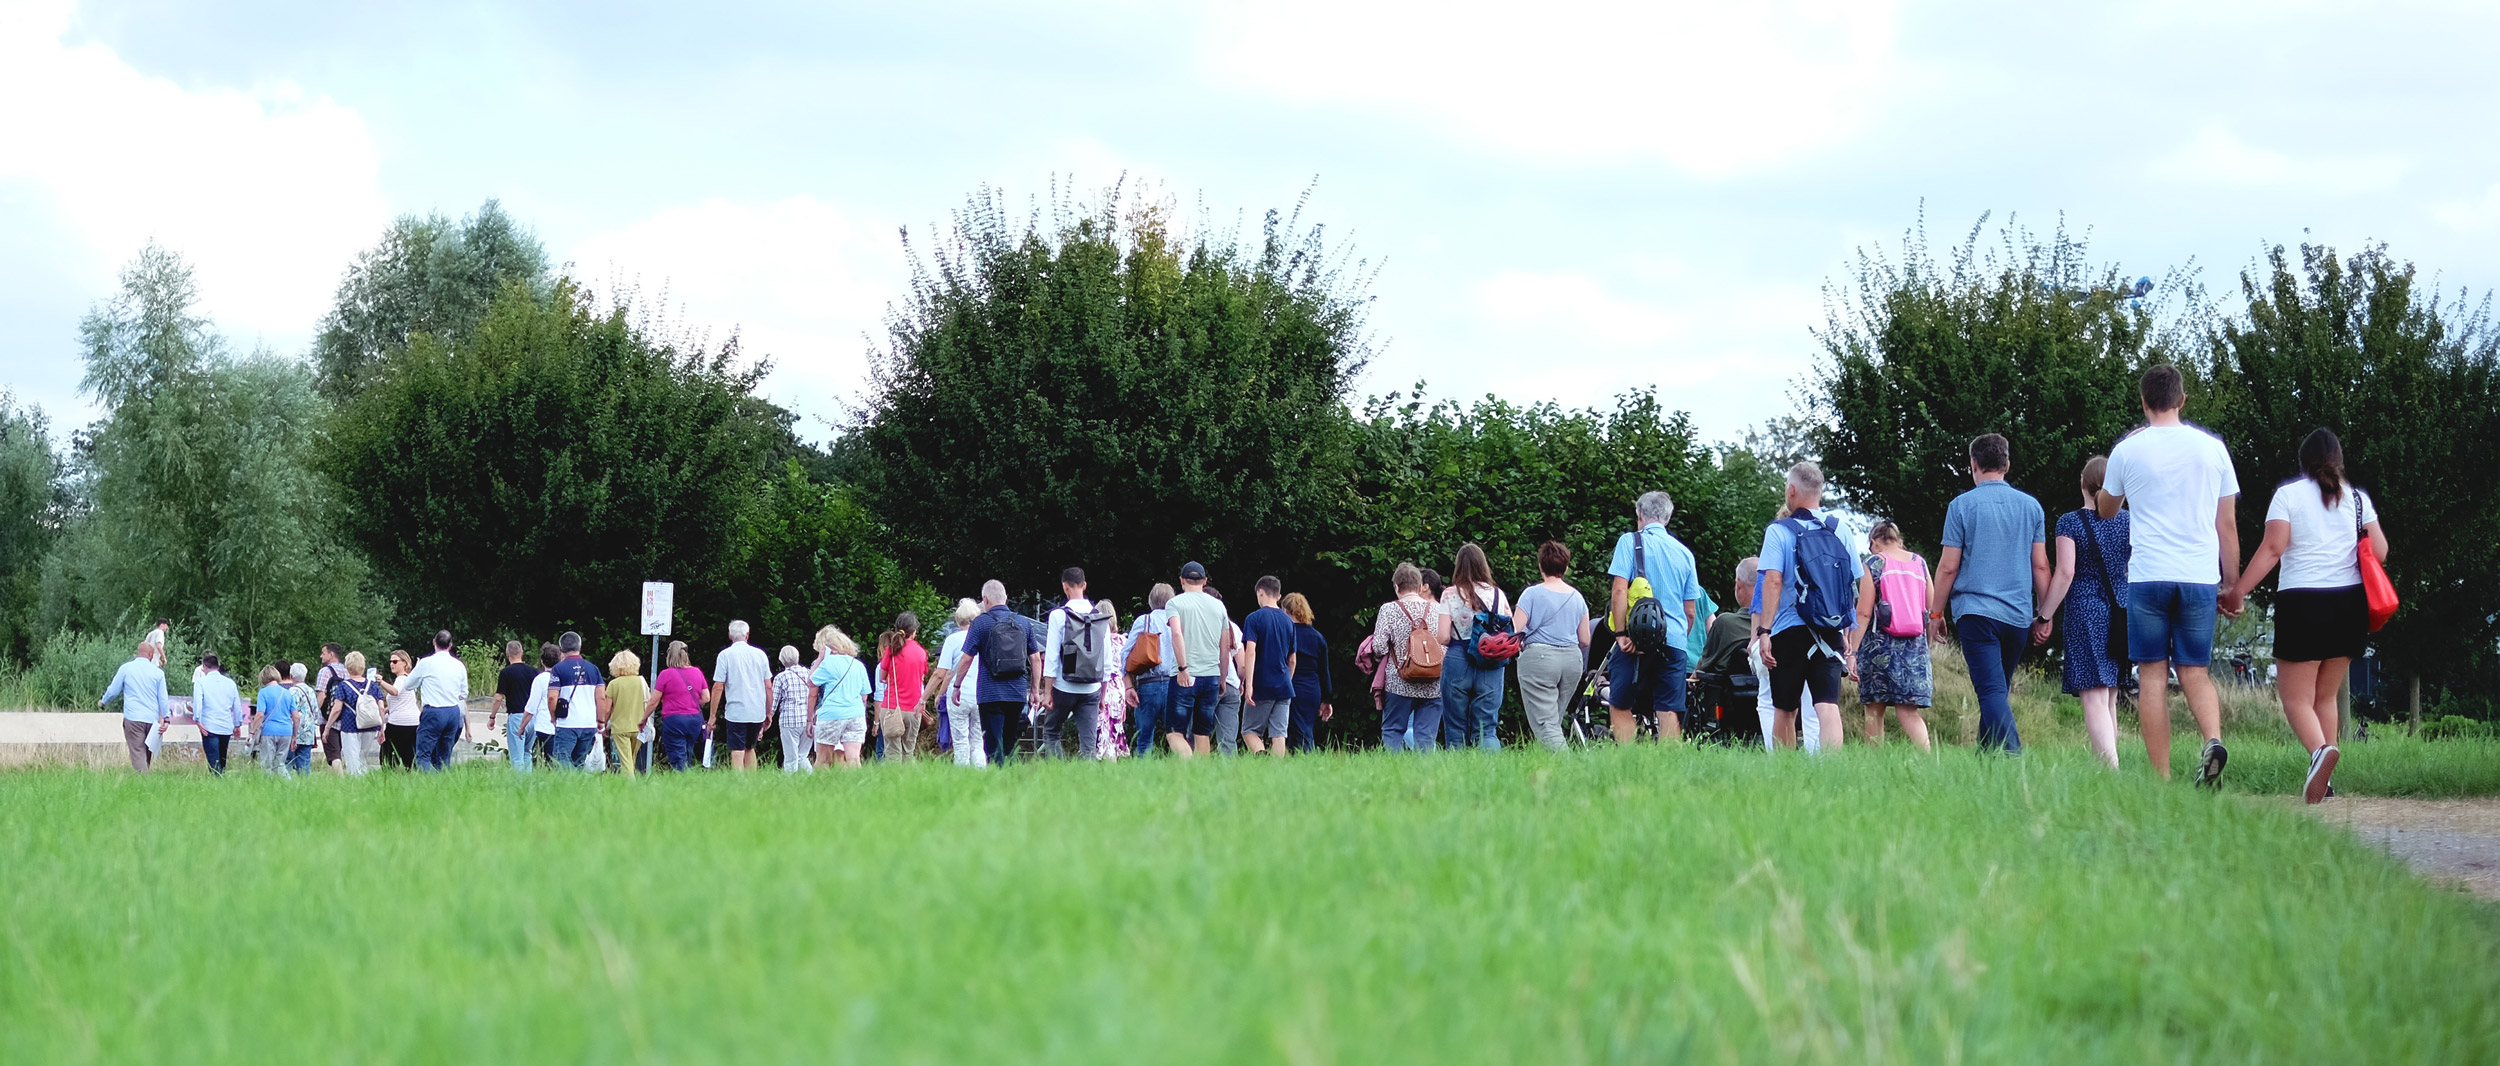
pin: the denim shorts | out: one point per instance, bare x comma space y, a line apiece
740, 736
1646, 683
2171, 620
1192, 710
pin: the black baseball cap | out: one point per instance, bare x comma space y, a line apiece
1193, 572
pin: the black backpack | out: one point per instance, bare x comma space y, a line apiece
1646, 621
1003, 649
1081, 640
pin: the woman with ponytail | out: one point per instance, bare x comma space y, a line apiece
2314, 528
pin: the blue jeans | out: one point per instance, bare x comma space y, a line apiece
1471, 701
1400, 714
680, 736
213, 749
437, 729
1993, 649
573, 745
1145, 728
300, 760
1192, 711
2170, 621
1002, 723
516, 742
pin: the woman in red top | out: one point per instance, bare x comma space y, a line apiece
902, 665
681, 689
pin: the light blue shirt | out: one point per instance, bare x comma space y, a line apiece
1779, 552
1157, 622
216, 703
276, 704
1995, 525
842, 684
142, 689
1668, 565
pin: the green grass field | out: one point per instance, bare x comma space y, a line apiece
1620, 905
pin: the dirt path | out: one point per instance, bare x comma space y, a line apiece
2453, 841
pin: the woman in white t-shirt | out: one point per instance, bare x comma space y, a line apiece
2321, 618
954, 682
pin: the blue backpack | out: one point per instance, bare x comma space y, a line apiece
1826, 597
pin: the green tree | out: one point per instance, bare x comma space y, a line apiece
2412, 387
205, 508
430, 276
814, 556
1101, 391
34, 501
532, 475
2024, 338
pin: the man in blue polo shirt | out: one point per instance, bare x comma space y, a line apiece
145, 706
1651, 682
1995, 566
1006, 684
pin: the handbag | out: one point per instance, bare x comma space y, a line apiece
2109, 590
2375, 584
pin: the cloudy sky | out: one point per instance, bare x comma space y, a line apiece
1564, 200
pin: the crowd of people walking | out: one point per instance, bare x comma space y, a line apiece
2140, 572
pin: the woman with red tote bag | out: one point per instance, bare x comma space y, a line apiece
2326, 535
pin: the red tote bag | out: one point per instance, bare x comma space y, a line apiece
2374, 581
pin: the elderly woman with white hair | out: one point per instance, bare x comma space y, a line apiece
794, 701
950, 687
843, 689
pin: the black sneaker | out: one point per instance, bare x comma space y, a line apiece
2209, 769
2321, 773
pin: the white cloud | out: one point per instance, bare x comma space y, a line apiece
802, 281
1713, 89
1575, 305
267, 192
2475, 214
2216, 157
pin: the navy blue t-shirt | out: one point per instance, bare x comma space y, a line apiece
1272, 631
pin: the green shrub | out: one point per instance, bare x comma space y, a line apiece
2459, 727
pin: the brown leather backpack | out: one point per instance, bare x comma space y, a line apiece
1423, 652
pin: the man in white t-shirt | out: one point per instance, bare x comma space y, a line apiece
2184, 560
741, 679
1076, 649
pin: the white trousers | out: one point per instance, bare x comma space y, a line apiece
965, 722
1809, 723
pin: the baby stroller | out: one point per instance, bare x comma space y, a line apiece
1585, 718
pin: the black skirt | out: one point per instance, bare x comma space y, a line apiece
2311, 625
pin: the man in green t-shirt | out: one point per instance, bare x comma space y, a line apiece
1202, 635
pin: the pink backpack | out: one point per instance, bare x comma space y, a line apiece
1902, 592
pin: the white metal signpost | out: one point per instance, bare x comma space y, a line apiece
659, 601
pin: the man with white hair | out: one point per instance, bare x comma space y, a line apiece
1009, 673
1647, 674
1807, 628
145, 703
740, 677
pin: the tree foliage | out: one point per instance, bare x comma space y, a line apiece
205, 508
532, 475
430, 276
814, 555
1101, 390
2412, 387
2024, 338
34, 501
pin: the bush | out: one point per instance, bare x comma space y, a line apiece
2459, 727
72, 669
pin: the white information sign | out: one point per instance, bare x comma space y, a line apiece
659, 600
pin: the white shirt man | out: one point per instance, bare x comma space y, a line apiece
1063, 698
742, 679
442, 683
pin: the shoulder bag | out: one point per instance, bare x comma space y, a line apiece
2375, 584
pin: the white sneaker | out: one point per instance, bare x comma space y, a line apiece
2321, 774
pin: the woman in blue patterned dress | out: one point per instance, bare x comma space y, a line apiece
2087, 583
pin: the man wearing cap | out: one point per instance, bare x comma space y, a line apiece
1202, 637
